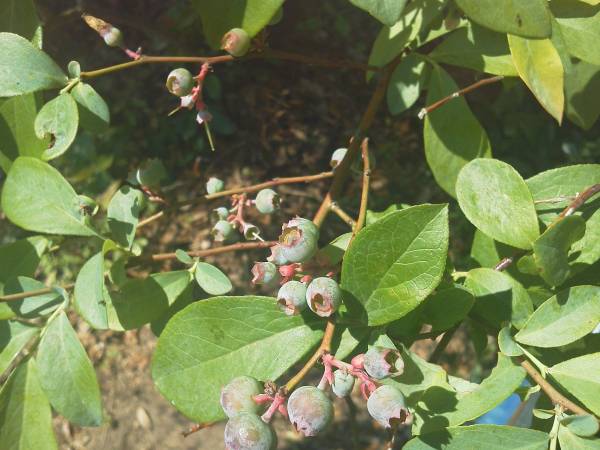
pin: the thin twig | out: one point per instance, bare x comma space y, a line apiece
342, 215
197, 427
150, 219
437, 353
216, 251
443, 101
33, 293
364, 198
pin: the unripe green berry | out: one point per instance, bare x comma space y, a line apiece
151, 173
291, 297
337, 157
323, 296
263, 272
220, 213
276, 256
310, 410
238, 396
222, 231
248, 432
343, 382
180, 82
267, 201
113, 37
236, 42
382, 362
386, 405
214, 185
299, 240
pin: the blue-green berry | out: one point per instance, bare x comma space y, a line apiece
236, 42
238, 396
310, 410
382, 362
180, 82
337, 157
151, 173
220, 213
222, 231
386, 405
112, 37
248, 432
263, 272
267, 201
343, 382
214, 185
299, 240
323, 296
276, 256
291, 297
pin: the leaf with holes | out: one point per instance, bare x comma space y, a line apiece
58, 120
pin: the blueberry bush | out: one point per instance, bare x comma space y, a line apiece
349, 309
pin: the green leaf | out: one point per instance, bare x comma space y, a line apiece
13, 338
93, 110
333, 252
405, 85
582, 425
67, 374
447, 307
394, 264
212, 280
507, 344
89, 292
25, 416
21, 258
540, 67
387, 12
58, 120
374, 216
452, 135
580, 28
220, 17
563, 318
581, 82
498, 298
212, 341
346, 339
36, 197
183, 257
123, 213
24, 68
476, 48
17, 134
480, 437
140, 301
19, 17
551, 249
587, 250
581, 378
442, 408
36, 306
570, 441
496, 200
529, 18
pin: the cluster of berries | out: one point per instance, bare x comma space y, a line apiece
267, 201
309, 409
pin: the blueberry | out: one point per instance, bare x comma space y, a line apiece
276, 256
180, 82
343, 383
381, 362
267, 201
151, 173
291, 297
237, 396
222, 231
337, 157
263, 272
236, 42
220, 213
323, 296
310, 410
386, 405
248, 432
113, 37
299, 240
214, 185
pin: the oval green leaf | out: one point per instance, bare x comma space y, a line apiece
496, 200
24, 68
563, 318
387, 12
212, 280
36, 197
19, 17
580, 28
212, 341
13, 337
394, 264
57, 121
507, 344
89, 292
67, 374
581, 378
93, 110
570, 441
582, 425
405, 85
123, 214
